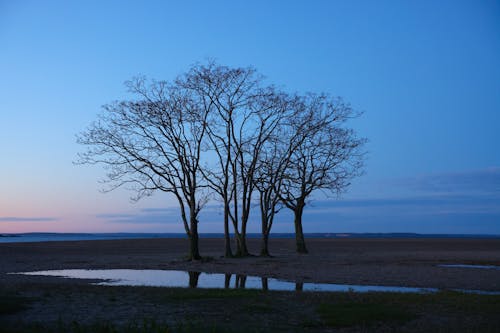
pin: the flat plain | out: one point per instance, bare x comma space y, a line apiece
41, 304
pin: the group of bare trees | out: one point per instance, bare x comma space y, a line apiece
221, 133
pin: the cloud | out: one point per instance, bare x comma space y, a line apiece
211, 213
449, 202
467, 202
483, 181
27, 219
154, 215
461, 202
403, 208
146, 215
114, 216
156, 210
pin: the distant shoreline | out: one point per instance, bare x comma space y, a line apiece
55, 237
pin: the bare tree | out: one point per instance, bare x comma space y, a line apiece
211, 86
243, 114
322, 154
223, 129
264, 122
272, 164
153, 143
274, 161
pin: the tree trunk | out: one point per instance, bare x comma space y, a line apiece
194, 252
244, 249
243, 235
264, 251
243, 238
241, 244
299, 234
228, 253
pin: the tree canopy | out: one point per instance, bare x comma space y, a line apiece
220, 133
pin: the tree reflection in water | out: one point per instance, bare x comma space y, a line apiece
240, 281
227, 281
193, 279
177, 279
265, 285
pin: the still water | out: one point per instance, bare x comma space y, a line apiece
470, 266
183, 279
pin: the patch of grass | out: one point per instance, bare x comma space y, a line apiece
348, 314
199, 294
310, 323
11, 303
258, 308
471, 303
146, 326
196, 326
112, 298
247, 310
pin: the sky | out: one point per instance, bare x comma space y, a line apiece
426, 74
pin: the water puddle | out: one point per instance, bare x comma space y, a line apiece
183, 279
470, 266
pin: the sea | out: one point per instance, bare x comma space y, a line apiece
55, 237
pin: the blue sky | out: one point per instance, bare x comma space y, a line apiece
426, 74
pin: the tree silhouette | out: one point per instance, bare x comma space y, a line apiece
320, 154
153, 143
242, 115
220, 132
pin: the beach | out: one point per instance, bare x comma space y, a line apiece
379, 262
393, 262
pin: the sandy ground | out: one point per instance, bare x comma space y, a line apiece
390, 262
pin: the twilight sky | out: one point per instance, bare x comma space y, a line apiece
426, 74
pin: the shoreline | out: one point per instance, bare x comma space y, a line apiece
362, 261
53, 304
57, 237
